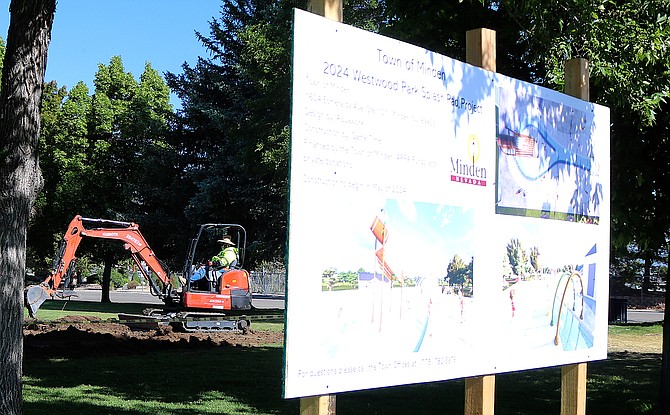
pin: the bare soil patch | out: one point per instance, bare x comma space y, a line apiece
78, 336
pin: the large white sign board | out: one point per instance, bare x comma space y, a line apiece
485, 200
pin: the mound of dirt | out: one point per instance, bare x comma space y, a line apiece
89, 336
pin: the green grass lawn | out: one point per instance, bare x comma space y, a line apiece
248, 381
236, 380
214, 381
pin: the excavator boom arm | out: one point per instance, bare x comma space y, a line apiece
80, 228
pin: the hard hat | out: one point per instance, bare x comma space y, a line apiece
226, 240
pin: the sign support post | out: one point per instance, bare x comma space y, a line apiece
573, 377
331, 9
573, 389
480, 50
480, 395
317, 405
325, 404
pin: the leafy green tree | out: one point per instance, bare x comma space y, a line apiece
458, 272
535, 259
626, 45
63, 145
157, 196
129, 152
365, 14
506, 267
633, 77
2, 52
86, 156
108, 155
328, 277
110, 131
517, 257
20, 178
350, 277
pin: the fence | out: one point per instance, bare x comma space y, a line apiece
268, 283
618, 310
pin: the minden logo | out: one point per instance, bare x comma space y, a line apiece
467, 171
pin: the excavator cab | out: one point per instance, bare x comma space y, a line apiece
209, 283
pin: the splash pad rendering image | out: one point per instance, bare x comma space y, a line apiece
546, 162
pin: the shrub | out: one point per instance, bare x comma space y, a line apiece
117, 279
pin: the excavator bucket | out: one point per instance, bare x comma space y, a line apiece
34, 296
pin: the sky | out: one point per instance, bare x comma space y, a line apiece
88, 32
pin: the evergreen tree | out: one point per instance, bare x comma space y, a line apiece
235, 117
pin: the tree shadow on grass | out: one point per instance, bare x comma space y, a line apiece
625, 383
249, 380
208, 380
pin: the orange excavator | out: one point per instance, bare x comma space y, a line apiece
197, 299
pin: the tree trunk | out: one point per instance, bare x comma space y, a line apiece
664, 399
646, 278
107, 278
20, 178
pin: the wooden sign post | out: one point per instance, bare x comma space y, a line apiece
480, 50
573, 377
331, 9
317, 405
322, 405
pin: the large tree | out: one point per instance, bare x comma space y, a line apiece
236, 114
235, 121
2, 52
626, 44
458, 272
20, 178
63, 161
106, 155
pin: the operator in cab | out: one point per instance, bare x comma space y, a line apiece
206, 277
228, 256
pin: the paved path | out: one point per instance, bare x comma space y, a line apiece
644, 316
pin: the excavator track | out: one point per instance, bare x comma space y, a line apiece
195, 321
199, 322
